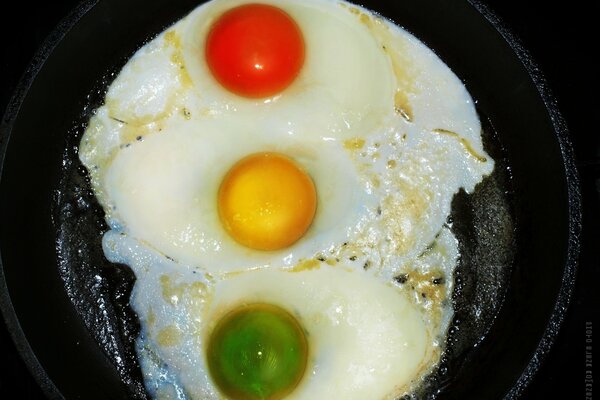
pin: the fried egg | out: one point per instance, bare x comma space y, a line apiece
357, 327
163, 190
367, 338
308, 213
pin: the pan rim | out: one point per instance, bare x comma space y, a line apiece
559, 125
573, 188
13, 107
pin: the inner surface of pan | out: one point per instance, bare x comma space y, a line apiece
76, 316
482, 222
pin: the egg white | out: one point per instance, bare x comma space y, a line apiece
345, 85
163, 191
355, 338
388, 134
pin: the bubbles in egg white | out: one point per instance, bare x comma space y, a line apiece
388, 134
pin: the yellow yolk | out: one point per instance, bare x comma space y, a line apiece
267, 202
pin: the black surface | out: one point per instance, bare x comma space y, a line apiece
554, 35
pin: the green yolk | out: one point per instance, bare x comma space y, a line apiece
257, 352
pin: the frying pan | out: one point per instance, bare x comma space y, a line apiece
72, 353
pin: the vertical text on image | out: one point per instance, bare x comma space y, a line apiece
589, 380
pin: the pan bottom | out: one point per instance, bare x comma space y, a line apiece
483, 223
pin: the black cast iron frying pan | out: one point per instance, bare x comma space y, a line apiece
75, 354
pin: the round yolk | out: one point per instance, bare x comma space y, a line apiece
255, 50
266, 201
257, 352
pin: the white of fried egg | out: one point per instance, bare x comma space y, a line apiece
164, 192
367, 339
177, 217
386, 143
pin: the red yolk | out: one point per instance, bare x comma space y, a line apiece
255, 50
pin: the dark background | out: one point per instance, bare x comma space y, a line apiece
560, 37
